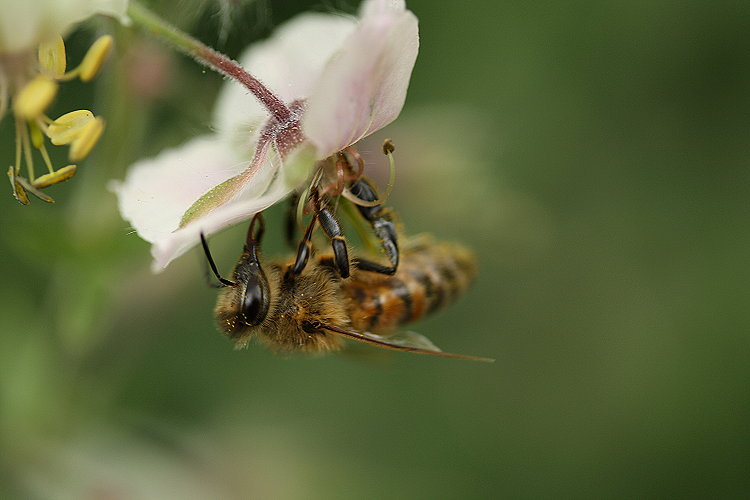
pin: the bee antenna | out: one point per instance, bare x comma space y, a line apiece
253, 240
222, 281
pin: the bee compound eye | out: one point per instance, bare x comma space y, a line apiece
254, 302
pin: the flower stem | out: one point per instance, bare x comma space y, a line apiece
208, 57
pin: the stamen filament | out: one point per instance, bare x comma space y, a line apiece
208, 57
47, 161
3, 95
26, 141
388, 151
70, 75
19, 125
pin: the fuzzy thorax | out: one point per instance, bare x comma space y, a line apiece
298, 306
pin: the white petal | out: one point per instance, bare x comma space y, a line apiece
288, 64
376, 7
157, 191
24, 24
272, 186
363, 87
177, 243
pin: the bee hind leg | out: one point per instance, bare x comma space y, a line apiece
381, 220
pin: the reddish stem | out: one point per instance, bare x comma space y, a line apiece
232, 69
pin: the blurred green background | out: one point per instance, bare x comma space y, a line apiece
594, 154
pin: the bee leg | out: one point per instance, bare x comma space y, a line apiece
290, 225
333, 230
381, 220
305, 248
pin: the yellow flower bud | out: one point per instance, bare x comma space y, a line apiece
68, 127
94, 58
34, 97
55, 177
52, 57
86, 140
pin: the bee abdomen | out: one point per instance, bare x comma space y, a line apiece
428, 279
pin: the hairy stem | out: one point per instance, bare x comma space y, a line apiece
208, 57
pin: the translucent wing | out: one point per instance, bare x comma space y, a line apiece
406, 341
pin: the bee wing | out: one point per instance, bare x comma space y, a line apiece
406, 341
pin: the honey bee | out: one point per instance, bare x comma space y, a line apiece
312, 308
299, 305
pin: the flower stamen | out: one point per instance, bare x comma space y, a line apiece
51, 57
3, 94
26, 145
55, 177
45, 156
36, 89
94, 58
31, 189
388, 149
18, 192
86, 140
35, 97
68, 127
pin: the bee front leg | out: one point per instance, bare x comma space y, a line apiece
332, 228
305, 248
290, 223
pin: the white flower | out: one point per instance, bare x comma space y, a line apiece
24, 24
342, 78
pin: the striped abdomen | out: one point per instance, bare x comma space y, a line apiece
429, 277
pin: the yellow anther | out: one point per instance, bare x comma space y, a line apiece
34, 98
18, 191
69, 126
31, 189
86, 140
52, 57
55, 177
94, 58
37, 139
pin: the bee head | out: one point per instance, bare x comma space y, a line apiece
244, 302
253, 286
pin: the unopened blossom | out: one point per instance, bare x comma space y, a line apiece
32, 65
341, 78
